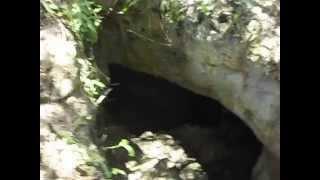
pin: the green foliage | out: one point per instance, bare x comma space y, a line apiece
127, 5
84, 19
124, 143
206, 7
121, 7
81, 16
68, 137
173, 10
116, 171
98, 161
50, 7
92, 84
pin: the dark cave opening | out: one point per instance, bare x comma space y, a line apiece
141, 102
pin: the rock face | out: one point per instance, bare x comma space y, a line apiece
63, 108
58, 70
226, 50
163, 158
267, 167
218, 140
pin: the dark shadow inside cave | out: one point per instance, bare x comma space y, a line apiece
141, 102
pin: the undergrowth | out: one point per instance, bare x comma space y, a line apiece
83, 19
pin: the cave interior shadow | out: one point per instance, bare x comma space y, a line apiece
141, 102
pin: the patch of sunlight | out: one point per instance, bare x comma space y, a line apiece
146, 166
116, 171
47, 111
62, 157
61, 50
131, 164
170, 164
155, 150
64, 53
177, 155
65, 86
135, 176
194, 166
164, 178
191, 171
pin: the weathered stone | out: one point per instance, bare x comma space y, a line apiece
64, 110
230, 54
57, 115
58, 70
267, 167
161, 159
193, 171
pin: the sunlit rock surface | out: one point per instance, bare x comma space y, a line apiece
58, 70
65, 146
158, 156
226, 50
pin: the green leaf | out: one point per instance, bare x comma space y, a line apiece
105, 170
97, 10
99, 84
125, 144
97, 23
116, 171
59, 14
53, 6
91, 27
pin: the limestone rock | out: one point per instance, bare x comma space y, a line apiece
226, 50
267, 167
58, 70
209, 54
64, 110
165, 158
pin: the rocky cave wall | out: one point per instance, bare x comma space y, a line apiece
145, 109
225, 50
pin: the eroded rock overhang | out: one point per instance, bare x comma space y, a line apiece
226, 50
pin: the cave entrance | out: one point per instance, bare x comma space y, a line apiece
140, 102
